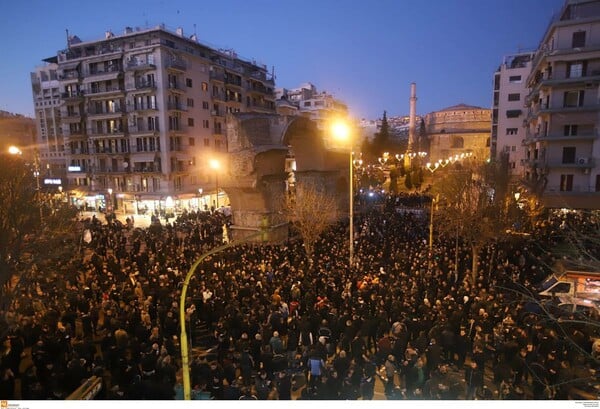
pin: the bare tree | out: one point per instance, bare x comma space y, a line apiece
468, 212
311, 210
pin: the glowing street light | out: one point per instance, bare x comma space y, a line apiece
216, 165
341, 132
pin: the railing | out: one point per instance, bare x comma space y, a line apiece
145, 84
140, 66
104, 90
177, 64
118, 110
77, 94
110, 70
176, 106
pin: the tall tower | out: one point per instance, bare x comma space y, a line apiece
411, 125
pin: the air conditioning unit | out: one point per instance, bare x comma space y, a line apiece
582, 161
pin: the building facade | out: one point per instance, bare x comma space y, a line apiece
142, 114
319, 107
508, 112
561, 141
459, 129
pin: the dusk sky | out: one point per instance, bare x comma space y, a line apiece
365, 52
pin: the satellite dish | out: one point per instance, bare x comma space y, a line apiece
125, 165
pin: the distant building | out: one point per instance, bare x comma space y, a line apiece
459, 129
508, 111
562, 147
141, 114
320, 107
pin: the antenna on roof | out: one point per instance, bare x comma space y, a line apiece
68, 41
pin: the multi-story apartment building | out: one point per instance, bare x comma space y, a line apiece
50, 146
561, 140
142, 113
317, 106
508, 111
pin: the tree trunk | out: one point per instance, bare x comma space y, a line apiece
475, 249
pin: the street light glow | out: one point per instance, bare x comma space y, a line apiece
340, 130
214, 164
13, 150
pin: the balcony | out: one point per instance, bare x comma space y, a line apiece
145, 107
102, 132
566, 109
176, 106
73, 95
140, 85
70, 76
139, 66
113, 71
177, 64
173, 86
141, 168
217, 76
583, 162
105, 90
117, 111
138, 130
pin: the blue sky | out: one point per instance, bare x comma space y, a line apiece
365, 52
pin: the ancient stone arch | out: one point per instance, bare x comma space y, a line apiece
255, 176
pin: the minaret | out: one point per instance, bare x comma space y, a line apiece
411, 125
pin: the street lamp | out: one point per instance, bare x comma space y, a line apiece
214, 164
342, 132
109, 208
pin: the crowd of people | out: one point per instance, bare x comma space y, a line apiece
280, 325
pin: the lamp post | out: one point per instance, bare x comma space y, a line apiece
342, 132
214, 164
109, 205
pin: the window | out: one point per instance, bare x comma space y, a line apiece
513, 148
513, 113
206, 142
458, 142
190, 102
576, 69
217, 144
514, 97
191, 142
573, 99
568, 155
191, 122
307, 104
512, 131
204, 104
188, 82
570, 130
205, 124
515, 79
566, 183
204, 86
578, 39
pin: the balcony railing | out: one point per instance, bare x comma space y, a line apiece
177, 64
175, 106
115, 111
108, 70
103, 90
137, 65
142, 129
72, 95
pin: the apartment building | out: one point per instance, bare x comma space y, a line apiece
317, 106
561, 143
143, 112
50, 146
508, 112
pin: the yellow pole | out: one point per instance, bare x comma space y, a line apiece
185, 365
351, 212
